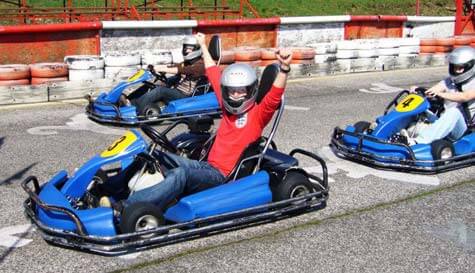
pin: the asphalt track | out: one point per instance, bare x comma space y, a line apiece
375, 220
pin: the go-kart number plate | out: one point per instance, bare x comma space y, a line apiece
136, 75
409, 103
119, 145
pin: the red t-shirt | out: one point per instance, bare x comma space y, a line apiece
236, 132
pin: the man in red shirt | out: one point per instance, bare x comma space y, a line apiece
242, 123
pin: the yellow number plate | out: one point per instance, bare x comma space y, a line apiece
120, 145
409, 103
136, 75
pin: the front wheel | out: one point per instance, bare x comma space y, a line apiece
442, 149
140, 216
294, 184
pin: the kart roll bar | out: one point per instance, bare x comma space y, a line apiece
395, 100
35, 198
324, 181
271, 134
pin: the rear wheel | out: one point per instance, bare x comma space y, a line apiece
151, 111
442, 149
140, 216
361, 126
293, 185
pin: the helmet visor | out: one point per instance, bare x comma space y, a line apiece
237, 95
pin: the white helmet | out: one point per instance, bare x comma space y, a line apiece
239, 79
190, 41
462, 57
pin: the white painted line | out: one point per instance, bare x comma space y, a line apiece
381, 88
149, 24
78, 122
297, 108
358, 171
8, 240
433, 19
314, 19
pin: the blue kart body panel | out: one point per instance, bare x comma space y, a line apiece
244, 193
105, 107
374, 146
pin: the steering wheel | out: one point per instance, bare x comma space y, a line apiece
158, 138
436, 103
160, 76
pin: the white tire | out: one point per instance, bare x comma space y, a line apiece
177, 56
388, 51
412, 49
409, 41
82, 75
439, 59
159, 57
366, 44
120, 73
345, 54
366, 53
84, 62
346, 45
388, 43
122, 59
323, 58
363, 64
321, 48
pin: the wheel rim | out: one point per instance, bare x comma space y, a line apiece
146, 222
151, 112
446, 153
299, 191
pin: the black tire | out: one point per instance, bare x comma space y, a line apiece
151, 111
442, 149
140, 216
361, 126
100, 177
294, 184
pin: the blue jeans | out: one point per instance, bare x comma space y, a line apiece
451, 123
160, 93
189, 177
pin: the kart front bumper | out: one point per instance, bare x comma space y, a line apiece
407, 164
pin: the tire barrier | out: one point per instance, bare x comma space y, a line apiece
14, 82
14, 72
268, 53
254, 63
157, 58
84, 62
227, 57
122, 59
49, 70
120, 73
246, 54
90, 74
35, 81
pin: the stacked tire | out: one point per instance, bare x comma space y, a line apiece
162, 57
85, 67
14, 74
247, 55
302, 55
43, 73
324, 52
227, 58
120, 66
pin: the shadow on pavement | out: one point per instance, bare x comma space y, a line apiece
18, 175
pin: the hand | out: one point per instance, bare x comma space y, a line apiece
284, 56
201, 38
412, 89
431, 93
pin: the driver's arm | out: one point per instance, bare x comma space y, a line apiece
207, 59
458, 96
166, 69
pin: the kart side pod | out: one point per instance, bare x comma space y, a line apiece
244, 193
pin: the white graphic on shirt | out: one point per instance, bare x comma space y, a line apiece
241, 121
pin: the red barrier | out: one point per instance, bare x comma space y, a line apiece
374, 26
51, 28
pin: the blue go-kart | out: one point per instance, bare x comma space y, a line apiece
265, 185
109, 108
380, 144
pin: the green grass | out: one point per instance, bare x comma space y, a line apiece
269, 8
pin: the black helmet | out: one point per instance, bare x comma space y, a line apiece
239, 78
191, 42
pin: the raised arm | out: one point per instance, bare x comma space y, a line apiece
207, 59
